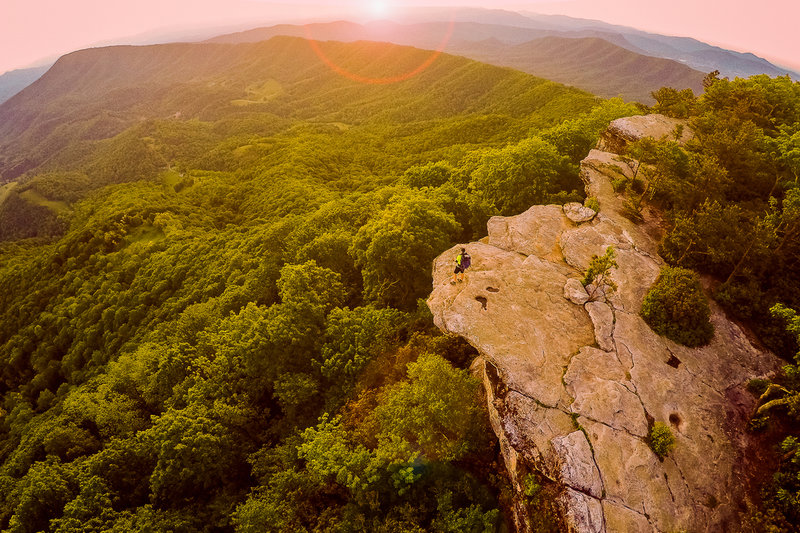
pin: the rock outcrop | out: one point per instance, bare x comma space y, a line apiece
623, 131
573, 385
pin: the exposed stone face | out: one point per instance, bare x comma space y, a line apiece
623, 131
584, 513
572, 388
534, 232
620, 518
602, 391
603, 320
578, 468
506, 293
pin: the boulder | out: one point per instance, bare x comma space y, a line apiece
624, 131
578, 213
575, 292
534, 232
579, 245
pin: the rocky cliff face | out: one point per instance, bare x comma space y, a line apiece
573, 386
623, 131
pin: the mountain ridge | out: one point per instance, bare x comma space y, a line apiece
604, 72
97, 93
686, 50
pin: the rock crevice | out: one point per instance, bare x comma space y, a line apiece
573, 385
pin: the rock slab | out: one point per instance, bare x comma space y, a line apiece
624, 131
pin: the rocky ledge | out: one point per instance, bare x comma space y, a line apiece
623, 131
574, 385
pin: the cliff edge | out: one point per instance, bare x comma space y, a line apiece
573, 386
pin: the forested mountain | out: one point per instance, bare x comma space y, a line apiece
601, 65
97, 93
590, 63
223, 331
494, 36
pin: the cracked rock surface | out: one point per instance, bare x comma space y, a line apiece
573, 387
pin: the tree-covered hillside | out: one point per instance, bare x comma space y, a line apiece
219, 328
602, 63
731, 200
731, 196
97, 93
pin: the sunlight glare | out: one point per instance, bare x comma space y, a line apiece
379, 8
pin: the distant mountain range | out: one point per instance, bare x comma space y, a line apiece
692, 52
589, 63
14, 81
602, 58
605, 59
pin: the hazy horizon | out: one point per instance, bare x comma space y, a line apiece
32, 35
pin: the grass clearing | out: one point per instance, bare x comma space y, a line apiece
260, 94
37, 199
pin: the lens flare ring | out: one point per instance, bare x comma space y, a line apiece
385, 80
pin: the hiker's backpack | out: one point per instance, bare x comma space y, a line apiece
465, 260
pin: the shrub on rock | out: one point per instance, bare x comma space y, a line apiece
661, 440
676, 307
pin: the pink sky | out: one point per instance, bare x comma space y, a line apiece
34, 30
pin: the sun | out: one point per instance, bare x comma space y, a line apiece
379, 8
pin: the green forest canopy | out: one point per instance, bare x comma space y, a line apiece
223, 329
219, 326
732, 199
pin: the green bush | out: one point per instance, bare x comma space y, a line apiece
661, 440
531, 485
597, 279
540, 499
676, 307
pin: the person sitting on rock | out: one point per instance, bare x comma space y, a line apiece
463, 260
